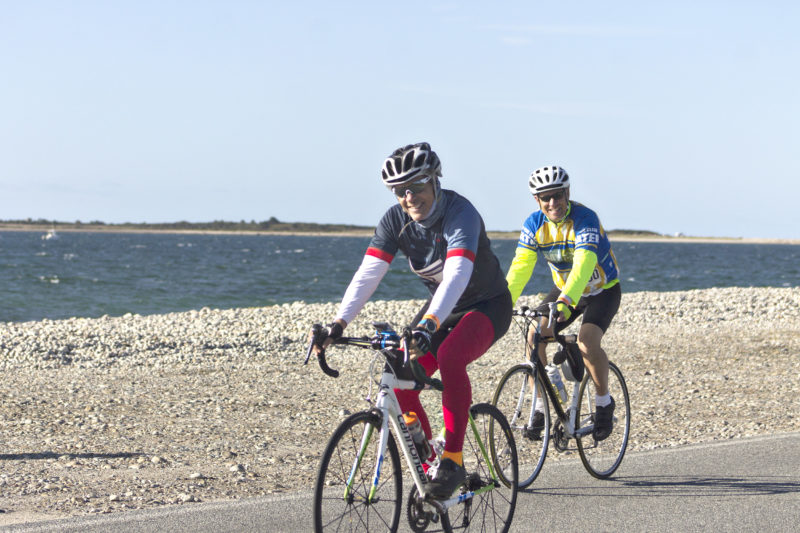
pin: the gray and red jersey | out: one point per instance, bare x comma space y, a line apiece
454, 234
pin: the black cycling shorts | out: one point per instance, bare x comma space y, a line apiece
598, 309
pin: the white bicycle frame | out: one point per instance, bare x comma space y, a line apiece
389, 407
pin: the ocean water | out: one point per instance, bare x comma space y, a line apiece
96, 274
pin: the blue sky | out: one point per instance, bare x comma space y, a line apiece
669, 116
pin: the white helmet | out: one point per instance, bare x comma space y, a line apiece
410, 163
548, 179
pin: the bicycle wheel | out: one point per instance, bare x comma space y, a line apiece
488, 448
352, 452
602, 458
517, 396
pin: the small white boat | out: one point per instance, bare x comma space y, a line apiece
50, 235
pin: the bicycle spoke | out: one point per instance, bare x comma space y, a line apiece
342, 507
488, 448
602, 458
517, 396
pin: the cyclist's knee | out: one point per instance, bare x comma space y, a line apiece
588, 348
590, 337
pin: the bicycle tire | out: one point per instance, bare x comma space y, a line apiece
492, 510
333, 510
602, 458
514, 397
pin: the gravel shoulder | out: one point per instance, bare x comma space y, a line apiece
111, 414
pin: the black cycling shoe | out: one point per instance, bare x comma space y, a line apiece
534, 432
447, 479
604, 421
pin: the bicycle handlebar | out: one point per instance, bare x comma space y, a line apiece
380, 341
550, 314
319, 334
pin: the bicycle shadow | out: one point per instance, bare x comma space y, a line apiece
38, 456
682, 486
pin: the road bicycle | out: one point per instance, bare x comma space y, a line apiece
359, 482
526, 387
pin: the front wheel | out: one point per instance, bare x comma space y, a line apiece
519, 395
602, 458
344, 496
490, 459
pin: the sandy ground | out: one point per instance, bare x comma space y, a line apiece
113, 414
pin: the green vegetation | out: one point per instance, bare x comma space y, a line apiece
633, 233
273, 224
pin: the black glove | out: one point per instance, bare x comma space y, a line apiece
422, 338
335, 330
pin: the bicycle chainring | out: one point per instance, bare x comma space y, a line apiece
560, 441
420, 514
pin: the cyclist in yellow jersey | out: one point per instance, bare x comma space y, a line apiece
585, 272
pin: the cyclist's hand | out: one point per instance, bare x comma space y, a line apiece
420, 343
335, 330
564, 312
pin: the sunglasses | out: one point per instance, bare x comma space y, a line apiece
414, 188
557, 196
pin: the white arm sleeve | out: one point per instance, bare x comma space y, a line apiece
455, 278
364, 282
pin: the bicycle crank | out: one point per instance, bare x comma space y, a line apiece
560, 440
418, 517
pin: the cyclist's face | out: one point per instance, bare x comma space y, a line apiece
554, 203
418, 205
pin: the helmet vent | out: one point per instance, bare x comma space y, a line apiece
408, 163
547, 179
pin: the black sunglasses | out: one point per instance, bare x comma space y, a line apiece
414, 188
557, 196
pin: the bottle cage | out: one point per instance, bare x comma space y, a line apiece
571, 361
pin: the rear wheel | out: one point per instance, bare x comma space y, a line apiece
602, 458
352, 454
493, 475
519, 394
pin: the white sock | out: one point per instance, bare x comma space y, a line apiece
602, 401
539, 406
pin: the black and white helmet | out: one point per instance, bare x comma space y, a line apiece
548, 179
410, 163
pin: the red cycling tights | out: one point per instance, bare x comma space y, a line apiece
470, 339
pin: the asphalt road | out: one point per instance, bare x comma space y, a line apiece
742, 485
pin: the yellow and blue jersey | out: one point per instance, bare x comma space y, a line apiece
577, 237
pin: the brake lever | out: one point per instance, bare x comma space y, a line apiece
553, 313
416, 367
405, 339
316, 329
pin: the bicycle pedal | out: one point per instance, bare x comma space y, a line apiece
532, 434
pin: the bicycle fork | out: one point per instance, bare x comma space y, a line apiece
365, 440
386, 412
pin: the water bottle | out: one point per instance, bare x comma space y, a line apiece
417, 435
555, 379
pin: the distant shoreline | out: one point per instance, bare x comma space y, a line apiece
614, 237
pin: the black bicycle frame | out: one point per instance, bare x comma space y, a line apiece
533, 357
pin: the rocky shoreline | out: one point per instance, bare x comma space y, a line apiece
104, 415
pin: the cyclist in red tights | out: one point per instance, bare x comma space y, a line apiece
444, 239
